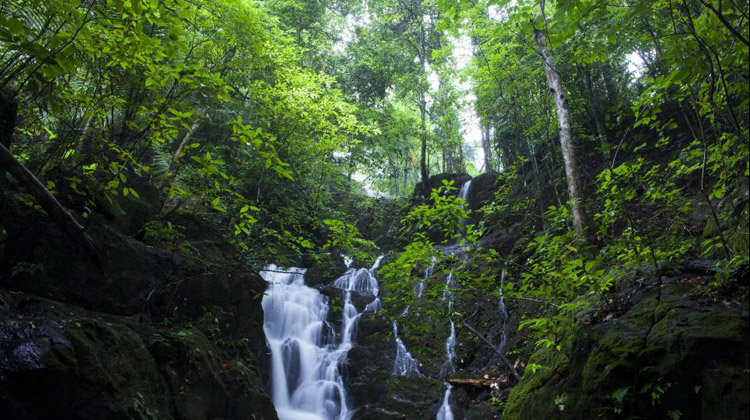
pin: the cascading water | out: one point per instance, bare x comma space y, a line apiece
419, 288
306, 380
503, 313
450, 343
404, 364
445, 412
464, 193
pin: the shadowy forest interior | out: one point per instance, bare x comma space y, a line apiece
374, 209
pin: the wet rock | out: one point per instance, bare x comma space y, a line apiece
436, 181
666, 353
61, 361
482, 190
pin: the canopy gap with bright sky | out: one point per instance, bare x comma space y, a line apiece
462, 54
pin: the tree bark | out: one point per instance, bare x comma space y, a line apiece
423, 109
423, 150
487, 147
176, 156
447, 159
572, 176
596, 115
8, 113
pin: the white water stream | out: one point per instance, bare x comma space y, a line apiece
306, 379
445, 412
503, 313
404, 364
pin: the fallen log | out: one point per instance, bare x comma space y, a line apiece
473, 382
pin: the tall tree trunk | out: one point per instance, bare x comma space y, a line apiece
8, 113
423, 109
448, 159
572, 176
423, 150
486, 146
461, 158
596, 115
350, 168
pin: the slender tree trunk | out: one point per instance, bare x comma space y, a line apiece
350, 169
575, 189
8, 113
595, 107
423, 150
177, 155
461, 158
84, 146
423, 110
448, 159
486, 146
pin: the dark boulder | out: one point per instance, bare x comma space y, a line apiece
668, 353
59, 361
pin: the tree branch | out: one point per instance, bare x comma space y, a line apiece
726, 23
505, 361
46, 200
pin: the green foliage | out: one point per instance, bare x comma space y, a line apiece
402, 275
209, 102
347, 239
560, 401
562, 273
445, 214
159, 231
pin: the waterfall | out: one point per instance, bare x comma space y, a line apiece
404, 364
306, 380
457, 246
464, 194
445, 412
450, 343
419, 288
450, 283
503, 313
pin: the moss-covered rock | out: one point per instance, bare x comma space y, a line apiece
59, 361
56, 360
666, 354
205, 386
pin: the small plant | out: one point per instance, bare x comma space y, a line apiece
533, 367
157, 230
674, 414
25, 267
618, 399
560, 401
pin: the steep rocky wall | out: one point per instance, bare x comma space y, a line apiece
133, 332
667, 355
59, 361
